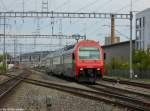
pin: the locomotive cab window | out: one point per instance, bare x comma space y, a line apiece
89, 53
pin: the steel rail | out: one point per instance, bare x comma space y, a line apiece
124, 90
10, 84
114, 94
93, 95
139, 84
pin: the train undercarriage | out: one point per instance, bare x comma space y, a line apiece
89, 75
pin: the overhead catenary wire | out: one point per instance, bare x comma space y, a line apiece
85, 6
126, 6
123, 35
102, 5
62, 5
3, 4
89, 5
52, 20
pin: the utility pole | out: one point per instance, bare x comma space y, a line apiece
4, 42
44, 5
23, 5
0, 28
23, 9
84, 30
131, 22
60, 32
37, 31
15, 50
41, 54
52, 24
6, 60
20, 53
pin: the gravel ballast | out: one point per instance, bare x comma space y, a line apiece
35, 98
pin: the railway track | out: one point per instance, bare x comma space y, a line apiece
8, 85
123, 101
124, 91
120, 94
138, 84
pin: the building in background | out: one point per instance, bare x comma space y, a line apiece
30, 59
119, 50
143, 30
108, 40
112, 39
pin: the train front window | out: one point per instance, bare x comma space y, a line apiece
89, 53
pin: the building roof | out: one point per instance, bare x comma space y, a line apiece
146, 10
36, 53
117, 44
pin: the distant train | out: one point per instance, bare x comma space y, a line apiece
83, 61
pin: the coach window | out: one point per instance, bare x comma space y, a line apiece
73, 56
62, 59
68, 59
143, 21
138, 34
140, 22
137, 23
56, 60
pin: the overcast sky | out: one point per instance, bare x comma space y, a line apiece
95, 29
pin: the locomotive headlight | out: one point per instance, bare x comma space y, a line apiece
98, 69
81, 69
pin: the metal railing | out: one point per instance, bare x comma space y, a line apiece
139, 74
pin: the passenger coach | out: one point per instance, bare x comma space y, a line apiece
83, 61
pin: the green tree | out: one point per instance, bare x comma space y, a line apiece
3, 66
1, 58
141, 60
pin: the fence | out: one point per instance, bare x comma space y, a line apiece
141, 74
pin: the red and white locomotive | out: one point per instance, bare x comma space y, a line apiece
83, 61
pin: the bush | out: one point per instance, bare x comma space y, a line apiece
117, 63
2, 66
141, 60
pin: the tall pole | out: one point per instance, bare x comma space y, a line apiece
14, 51
23, 5
131, 21
20, 55
4, 54
6, 61
60, 32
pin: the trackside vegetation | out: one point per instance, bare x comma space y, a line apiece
2, 66
141, 60
141, 65
1, 63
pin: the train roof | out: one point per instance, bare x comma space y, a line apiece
87, 41
70, 47
66, 50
